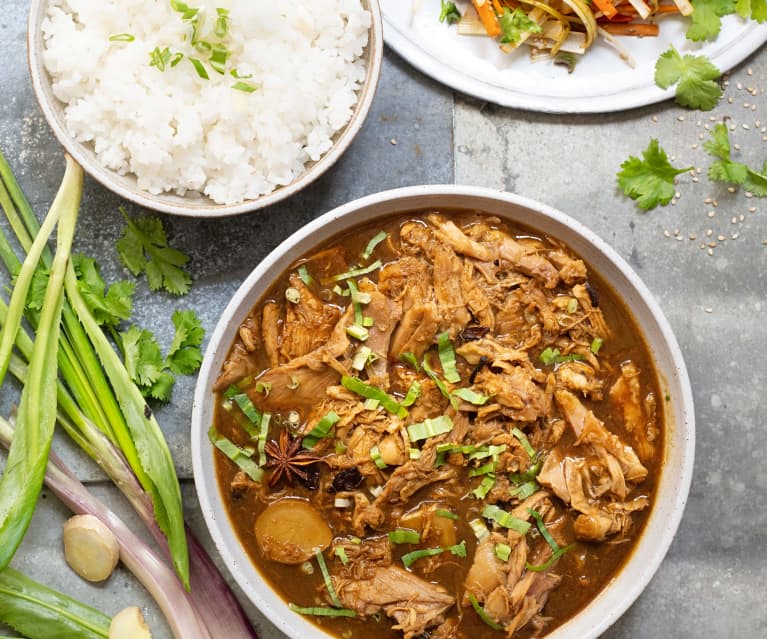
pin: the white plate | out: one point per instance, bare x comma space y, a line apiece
601, 80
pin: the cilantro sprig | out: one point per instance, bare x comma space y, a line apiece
143, 248
649, 181
706, 18
694, 76
449, 12
514, 24
724, 169
153, 373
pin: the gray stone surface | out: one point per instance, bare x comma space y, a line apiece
714, 579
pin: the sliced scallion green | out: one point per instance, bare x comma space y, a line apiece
479, 528
375, 455
431, 427
245, 87
122, 37
413, 393
177, 57
264, 387
263, 431
435, 378
596, 344
198, 66
357, 272
159, 58
483, 614
357, 332
221, 27
572, 306
485, 469
360, 359
218, 57
247, 407
525, 442
441, 512
320, 611
321, 430
503, 551
357, 386
238, 455
404, 536
414, 453
494, 450
525, 490
326, 578
458, 550
367, 322
468, 395
446, 354
239, 76
340, 552
507, 520
303, 273
409, 358
371, 404
374, 241
485, 486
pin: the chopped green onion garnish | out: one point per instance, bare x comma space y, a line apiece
413, 393
547, 564
304, 275
543, 530
507, 520
374, 241
414, 453
572, 306
321, 430
530, 474
494, 450
404, 536
222, 23
485, 469
409, 358
340, 552
177, 57
367, 322
447, 358
122, 37
479, 528
238, 455
245, 87
294, 383
199, 68
319, 611
263, 431
483, 615
468, 395
459, 550
430, 428
488, 481
159, 58
525, 442
360, 359
355, 293
339, 291
441, 512
326, 578
358, 332
435, 378
503, 551
553, 356
375, 455
371, 404
523, 491
356, 385
247, 407
357, 272
201, 45
596, 344
264, 388
235, 74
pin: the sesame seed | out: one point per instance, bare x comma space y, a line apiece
721, 238
746, 105
705, 126
710, 251
700, 136
393, 141
680, 118
735, 236
758, 123
695, 146
712, 118
654, 118
714, 203
749, 194
745, 126
711, 213
712, 244
731, 189
677, 194
752, 209
764, 242
741, 217
693, 237
676, 231
708, 309
729, 100
679, 239
702, 246
695, 179
734, 220
709, 232
739, 86
699, 170
708, 200
666, 233
698, 123
749, 71
753, 107
732, 127
736, 147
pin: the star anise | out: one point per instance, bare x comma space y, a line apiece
288, 459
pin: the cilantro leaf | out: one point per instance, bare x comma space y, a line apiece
723, 169
184, 356
514, 24
162, 388
707, 18
649, 181
449, 12
755, 9
144, 248
695, 75
109, 306
143, 358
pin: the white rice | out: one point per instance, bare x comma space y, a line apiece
178, 132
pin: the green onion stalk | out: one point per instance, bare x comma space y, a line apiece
84, 401
141, 560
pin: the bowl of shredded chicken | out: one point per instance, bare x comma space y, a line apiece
443, 412
205, 108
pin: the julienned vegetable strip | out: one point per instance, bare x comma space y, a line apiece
507, 520
319, 611
483, 614
35, 610
458, 550
356, 385
146, 434
25, 467
141, 560
447, 358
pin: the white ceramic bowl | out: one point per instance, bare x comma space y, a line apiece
677, 466
195, 205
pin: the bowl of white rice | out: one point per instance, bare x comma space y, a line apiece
210, 107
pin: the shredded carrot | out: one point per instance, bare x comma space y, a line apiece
497, 8
606, 7
666, 8
640, 29
487, 15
